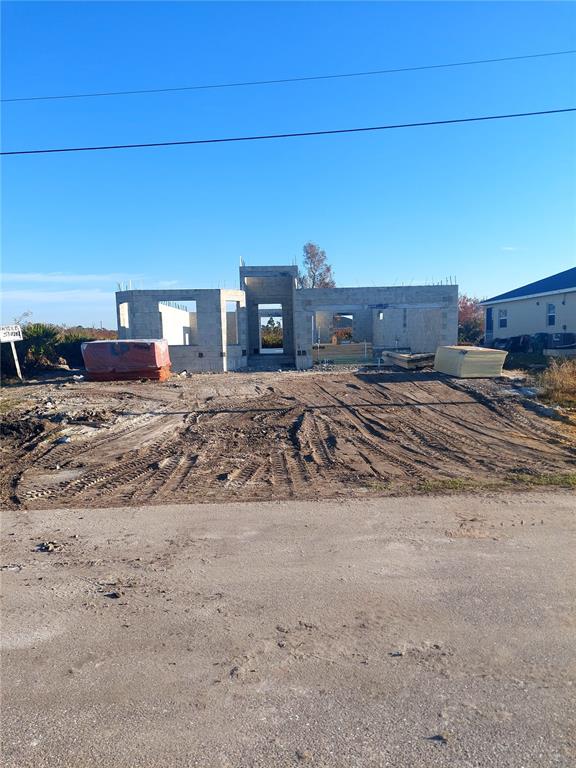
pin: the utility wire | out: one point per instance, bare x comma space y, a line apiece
369, 73
287, 135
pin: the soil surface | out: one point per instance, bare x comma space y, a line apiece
272, 436
410, 633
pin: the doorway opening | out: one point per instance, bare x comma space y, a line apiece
271, 325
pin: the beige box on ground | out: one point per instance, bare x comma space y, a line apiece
469, 362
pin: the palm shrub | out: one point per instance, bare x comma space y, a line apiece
39, 342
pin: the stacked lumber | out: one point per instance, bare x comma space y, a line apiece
356, 350
469, 362
408, 361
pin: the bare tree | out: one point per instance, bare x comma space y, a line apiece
21, 318
317, 273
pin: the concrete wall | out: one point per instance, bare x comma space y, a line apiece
236, 353
418, 317
210, 353
269, 285
528, 316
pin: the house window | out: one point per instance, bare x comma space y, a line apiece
404, 318
502, 318
550, 314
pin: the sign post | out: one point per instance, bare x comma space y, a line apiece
12, 333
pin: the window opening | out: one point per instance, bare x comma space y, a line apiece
179, 322
232, 322
124, 313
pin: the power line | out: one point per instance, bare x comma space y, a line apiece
368, 73
287, 135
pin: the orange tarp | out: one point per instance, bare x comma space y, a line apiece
133, 359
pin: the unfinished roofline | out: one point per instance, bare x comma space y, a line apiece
176, 294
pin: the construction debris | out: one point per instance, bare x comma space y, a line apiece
408, 361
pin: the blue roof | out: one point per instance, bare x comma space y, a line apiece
563, 281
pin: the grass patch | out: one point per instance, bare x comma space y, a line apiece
447, 484
378, 485
495, 483
7, 404
567, 480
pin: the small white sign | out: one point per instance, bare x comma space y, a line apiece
10, 333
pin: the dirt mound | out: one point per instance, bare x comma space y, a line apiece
271, 436
21, 430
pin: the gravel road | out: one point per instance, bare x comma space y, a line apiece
405, 632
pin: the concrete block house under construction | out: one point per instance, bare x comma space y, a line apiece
225, 330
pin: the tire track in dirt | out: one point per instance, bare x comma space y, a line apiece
309, 435
280, 473
250, 473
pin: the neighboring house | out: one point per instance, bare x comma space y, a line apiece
545, 309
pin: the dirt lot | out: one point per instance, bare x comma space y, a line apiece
403, 632
272, 436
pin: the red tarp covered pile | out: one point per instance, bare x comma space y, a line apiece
136, 359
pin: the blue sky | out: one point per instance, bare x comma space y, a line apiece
491, 203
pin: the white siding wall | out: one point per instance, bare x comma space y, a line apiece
528, 316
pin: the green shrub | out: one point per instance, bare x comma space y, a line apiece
44, 345
39, 343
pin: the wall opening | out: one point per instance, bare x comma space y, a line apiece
271, 325
338, 337
333, 328
124, 314
342, 329
232, 322
179, 322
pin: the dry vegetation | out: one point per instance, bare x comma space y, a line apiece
558, 382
